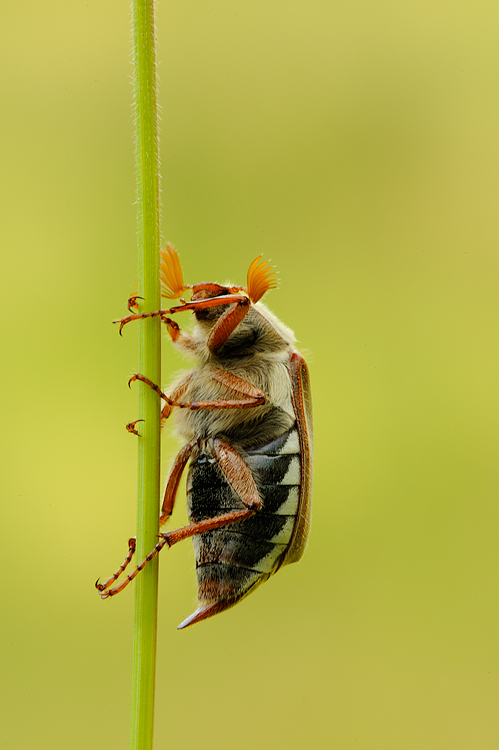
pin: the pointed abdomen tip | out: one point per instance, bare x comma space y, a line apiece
208, 610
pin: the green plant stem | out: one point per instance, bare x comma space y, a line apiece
148, 215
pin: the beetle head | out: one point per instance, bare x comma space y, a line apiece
261, 278
206, 290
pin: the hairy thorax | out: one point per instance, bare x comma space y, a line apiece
244, 427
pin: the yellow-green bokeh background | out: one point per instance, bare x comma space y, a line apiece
355, 143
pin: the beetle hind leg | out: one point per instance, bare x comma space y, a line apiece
101, 587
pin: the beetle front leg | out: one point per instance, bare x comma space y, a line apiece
228, 321
140, 316
225, 299
179, 339
132, 303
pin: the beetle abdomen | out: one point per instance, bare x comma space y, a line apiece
233, 560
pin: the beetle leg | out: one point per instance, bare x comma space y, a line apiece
241, 480
176, 395
132, 303
167, 408
105, 593
169, 538
130, 427
238, 476
254, 397
237, 473
239, 385
125, 563
139, 316
181, 340
168, 503
234, 469
209, 524
202, 304
173, 481
227, 323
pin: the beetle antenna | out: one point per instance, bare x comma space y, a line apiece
261, 278
172, 279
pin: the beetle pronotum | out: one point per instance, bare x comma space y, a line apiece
245, 412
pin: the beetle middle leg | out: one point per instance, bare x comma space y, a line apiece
179, 338
252, 396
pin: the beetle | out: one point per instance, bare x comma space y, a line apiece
245, 412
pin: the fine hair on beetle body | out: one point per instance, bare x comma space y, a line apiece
257, 352
244, 412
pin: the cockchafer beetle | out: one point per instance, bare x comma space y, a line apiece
245, 411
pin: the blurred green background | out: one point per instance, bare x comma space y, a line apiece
356, 144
